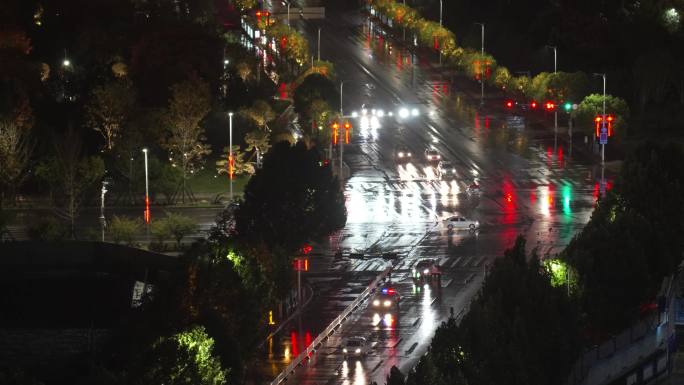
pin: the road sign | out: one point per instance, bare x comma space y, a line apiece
603, 137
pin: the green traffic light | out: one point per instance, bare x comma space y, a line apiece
567, 106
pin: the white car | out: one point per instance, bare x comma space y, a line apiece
446, 170
458, 222
432, 155
355, 346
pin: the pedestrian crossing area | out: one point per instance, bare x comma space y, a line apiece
446, 263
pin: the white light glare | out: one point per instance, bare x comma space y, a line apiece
414, 112
404, 113
355, 114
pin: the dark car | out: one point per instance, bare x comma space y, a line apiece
402, 154
426, 270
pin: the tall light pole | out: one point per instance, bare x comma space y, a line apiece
319, 43
103, 222
603, 117
288, 12
440, 13
482, 65
230, 153
555, 70
147, 194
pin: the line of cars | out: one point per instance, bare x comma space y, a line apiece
443, 168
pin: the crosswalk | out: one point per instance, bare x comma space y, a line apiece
447, 263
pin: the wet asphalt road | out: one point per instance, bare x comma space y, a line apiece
530, 184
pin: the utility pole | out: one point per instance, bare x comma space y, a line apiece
319, 43
147, 196
603, 117
103, 222
230, 153
555, 71
482, 65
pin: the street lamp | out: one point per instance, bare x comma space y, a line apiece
319, 43
603, 116
230, 154
147, 194
481, 65
103, 222
440, 13
555, 70
288, 11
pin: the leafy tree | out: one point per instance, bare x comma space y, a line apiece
70, 176
46, 229
592, 105
15, 151
502, 77
395, 377
632, 240
160, 231
520, 330
290, 200
124, 229
240, 165
109, 109
182, 359
179, 226
244, 5
260, 113
189, 104
244, 70
257, 141
314, 87
566, 86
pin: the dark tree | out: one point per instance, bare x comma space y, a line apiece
520, 330
395, 377
314, 87
292, 199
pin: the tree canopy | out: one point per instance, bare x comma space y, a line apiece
291, 199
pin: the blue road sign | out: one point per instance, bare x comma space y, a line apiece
603, 137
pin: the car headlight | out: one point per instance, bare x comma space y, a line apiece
401, 154
358, 350
387, 303
426, 271
344, 350
415, 112
381, 113
404, 112
376, 302
409, 154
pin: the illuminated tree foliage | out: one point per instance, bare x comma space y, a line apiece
185, 358
109, 109
15, 150
190, 102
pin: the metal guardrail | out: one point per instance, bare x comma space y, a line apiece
328, 331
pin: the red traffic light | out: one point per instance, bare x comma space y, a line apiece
509, 103
533, 104
550, 106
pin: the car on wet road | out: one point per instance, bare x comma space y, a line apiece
461, 223
432, 155
386, 299
402, 154
446, 170
355, 347
426, 270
